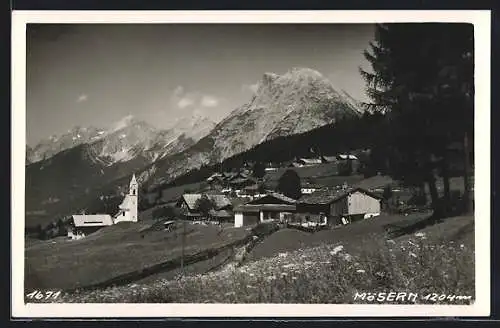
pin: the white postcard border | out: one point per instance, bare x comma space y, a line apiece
482, 31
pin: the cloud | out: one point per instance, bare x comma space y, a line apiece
183, 99
82, 97
250, 87
185, 102
209, 101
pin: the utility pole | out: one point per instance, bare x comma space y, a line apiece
182, 247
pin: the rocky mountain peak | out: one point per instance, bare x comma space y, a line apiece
298, 101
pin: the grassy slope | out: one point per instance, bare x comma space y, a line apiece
113, 251
352, 236
327, 267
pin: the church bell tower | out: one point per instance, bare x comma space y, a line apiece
133, 195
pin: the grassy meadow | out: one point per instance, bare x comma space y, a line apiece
381, 254
116, 250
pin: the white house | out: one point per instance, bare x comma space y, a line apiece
82, 225
349, 204
272, 207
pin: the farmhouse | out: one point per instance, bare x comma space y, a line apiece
82, 225
188, 204
348, 203
273, 206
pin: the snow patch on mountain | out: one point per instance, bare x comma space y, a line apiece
125, 139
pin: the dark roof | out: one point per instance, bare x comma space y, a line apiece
327, 196
265, 207
220, 201
274, 195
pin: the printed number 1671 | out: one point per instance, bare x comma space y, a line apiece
39, 295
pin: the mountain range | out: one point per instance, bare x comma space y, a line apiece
298, 101
87, 162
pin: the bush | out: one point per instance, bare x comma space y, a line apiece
265, 229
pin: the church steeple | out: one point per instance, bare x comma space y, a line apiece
133, 187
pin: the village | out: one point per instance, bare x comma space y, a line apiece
244, 198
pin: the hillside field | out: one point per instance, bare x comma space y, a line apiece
116, 250
378, 254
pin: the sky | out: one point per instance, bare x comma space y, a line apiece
93, 75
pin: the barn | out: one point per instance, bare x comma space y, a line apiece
349, 203
273, 206
188, 203
83, 225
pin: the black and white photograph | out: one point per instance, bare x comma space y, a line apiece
260, 163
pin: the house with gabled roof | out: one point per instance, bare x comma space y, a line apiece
348, 203
83, 225
271, 207
222, 205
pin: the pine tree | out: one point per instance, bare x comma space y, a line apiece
289, 184
422, 78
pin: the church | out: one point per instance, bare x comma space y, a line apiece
84, 224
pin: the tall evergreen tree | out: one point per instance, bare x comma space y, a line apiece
421, 76
289, 184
